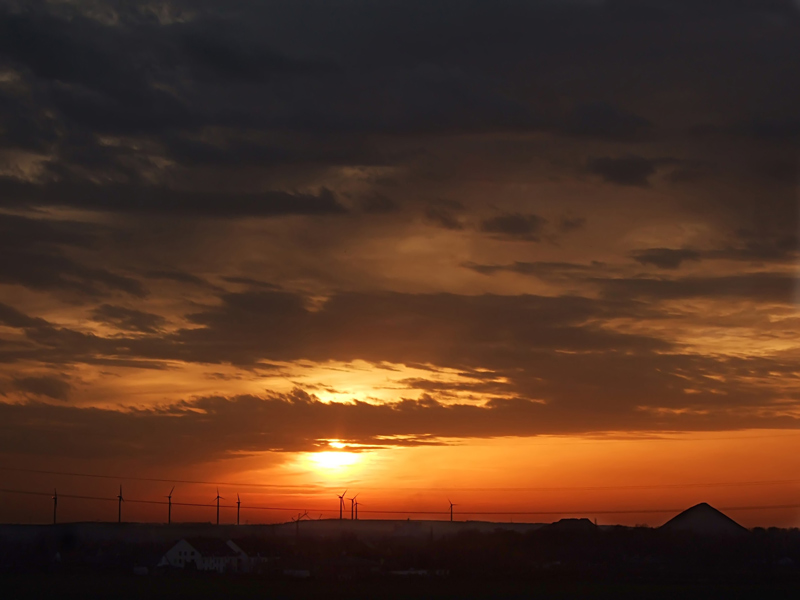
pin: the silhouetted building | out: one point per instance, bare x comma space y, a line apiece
205, 554
571, 526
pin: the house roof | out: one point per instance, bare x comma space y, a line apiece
211, 547
704, 518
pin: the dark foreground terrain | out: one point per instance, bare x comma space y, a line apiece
124, 587
569, 559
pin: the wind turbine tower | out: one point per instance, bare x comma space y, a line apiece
238, 506
451, 509
353, 507
341, 505
218, 498
120, 500
169, 506
300, 517
55, 504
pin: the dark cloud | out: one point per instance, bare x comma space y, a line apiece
262, 86
749, 247
276, 149
128, 319
161, 200
786, 129
377, 204
11, 317
47, 386
251, 110
515, 226
666, 258
34, 256
605, 121
178, 276
526, 349
211, 428
543, 269
17, 231
757, 287
761, 246
469, 332
629, 170
250, 282
218, 51
49, 271
444, 218
569, 223
438, 329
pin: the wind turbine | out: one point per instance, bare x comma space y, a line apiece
297, 522
341, 504
169, 506
357, 503
120, 500
55, 504
238, 506
218, 498
451, 509
352, 507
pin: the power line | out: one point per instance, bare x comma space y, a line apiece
154, 479
410, 512
465, 489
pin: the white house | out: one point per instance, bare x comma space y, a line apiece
205, 554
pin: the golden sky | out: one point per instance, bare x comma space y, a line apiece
524, 256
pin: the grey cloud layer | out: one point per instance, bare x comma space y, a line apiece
304, 180
209, 429
559, 351
278, 84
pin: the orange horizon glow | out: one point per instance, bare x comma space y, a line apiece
542, 480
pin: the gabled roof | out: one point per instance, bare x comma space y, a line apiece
704, 518
212, 547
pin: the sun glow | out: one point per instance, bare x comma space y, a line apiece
333, 460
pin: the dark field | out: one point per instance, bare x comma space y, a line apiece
132, 587
566, 560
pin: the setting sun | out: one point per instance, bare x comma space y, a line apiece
333, 460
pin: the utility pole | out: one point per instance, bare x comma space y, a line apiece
119, 505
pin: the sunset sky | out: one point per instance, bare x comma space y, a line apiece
521, 255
